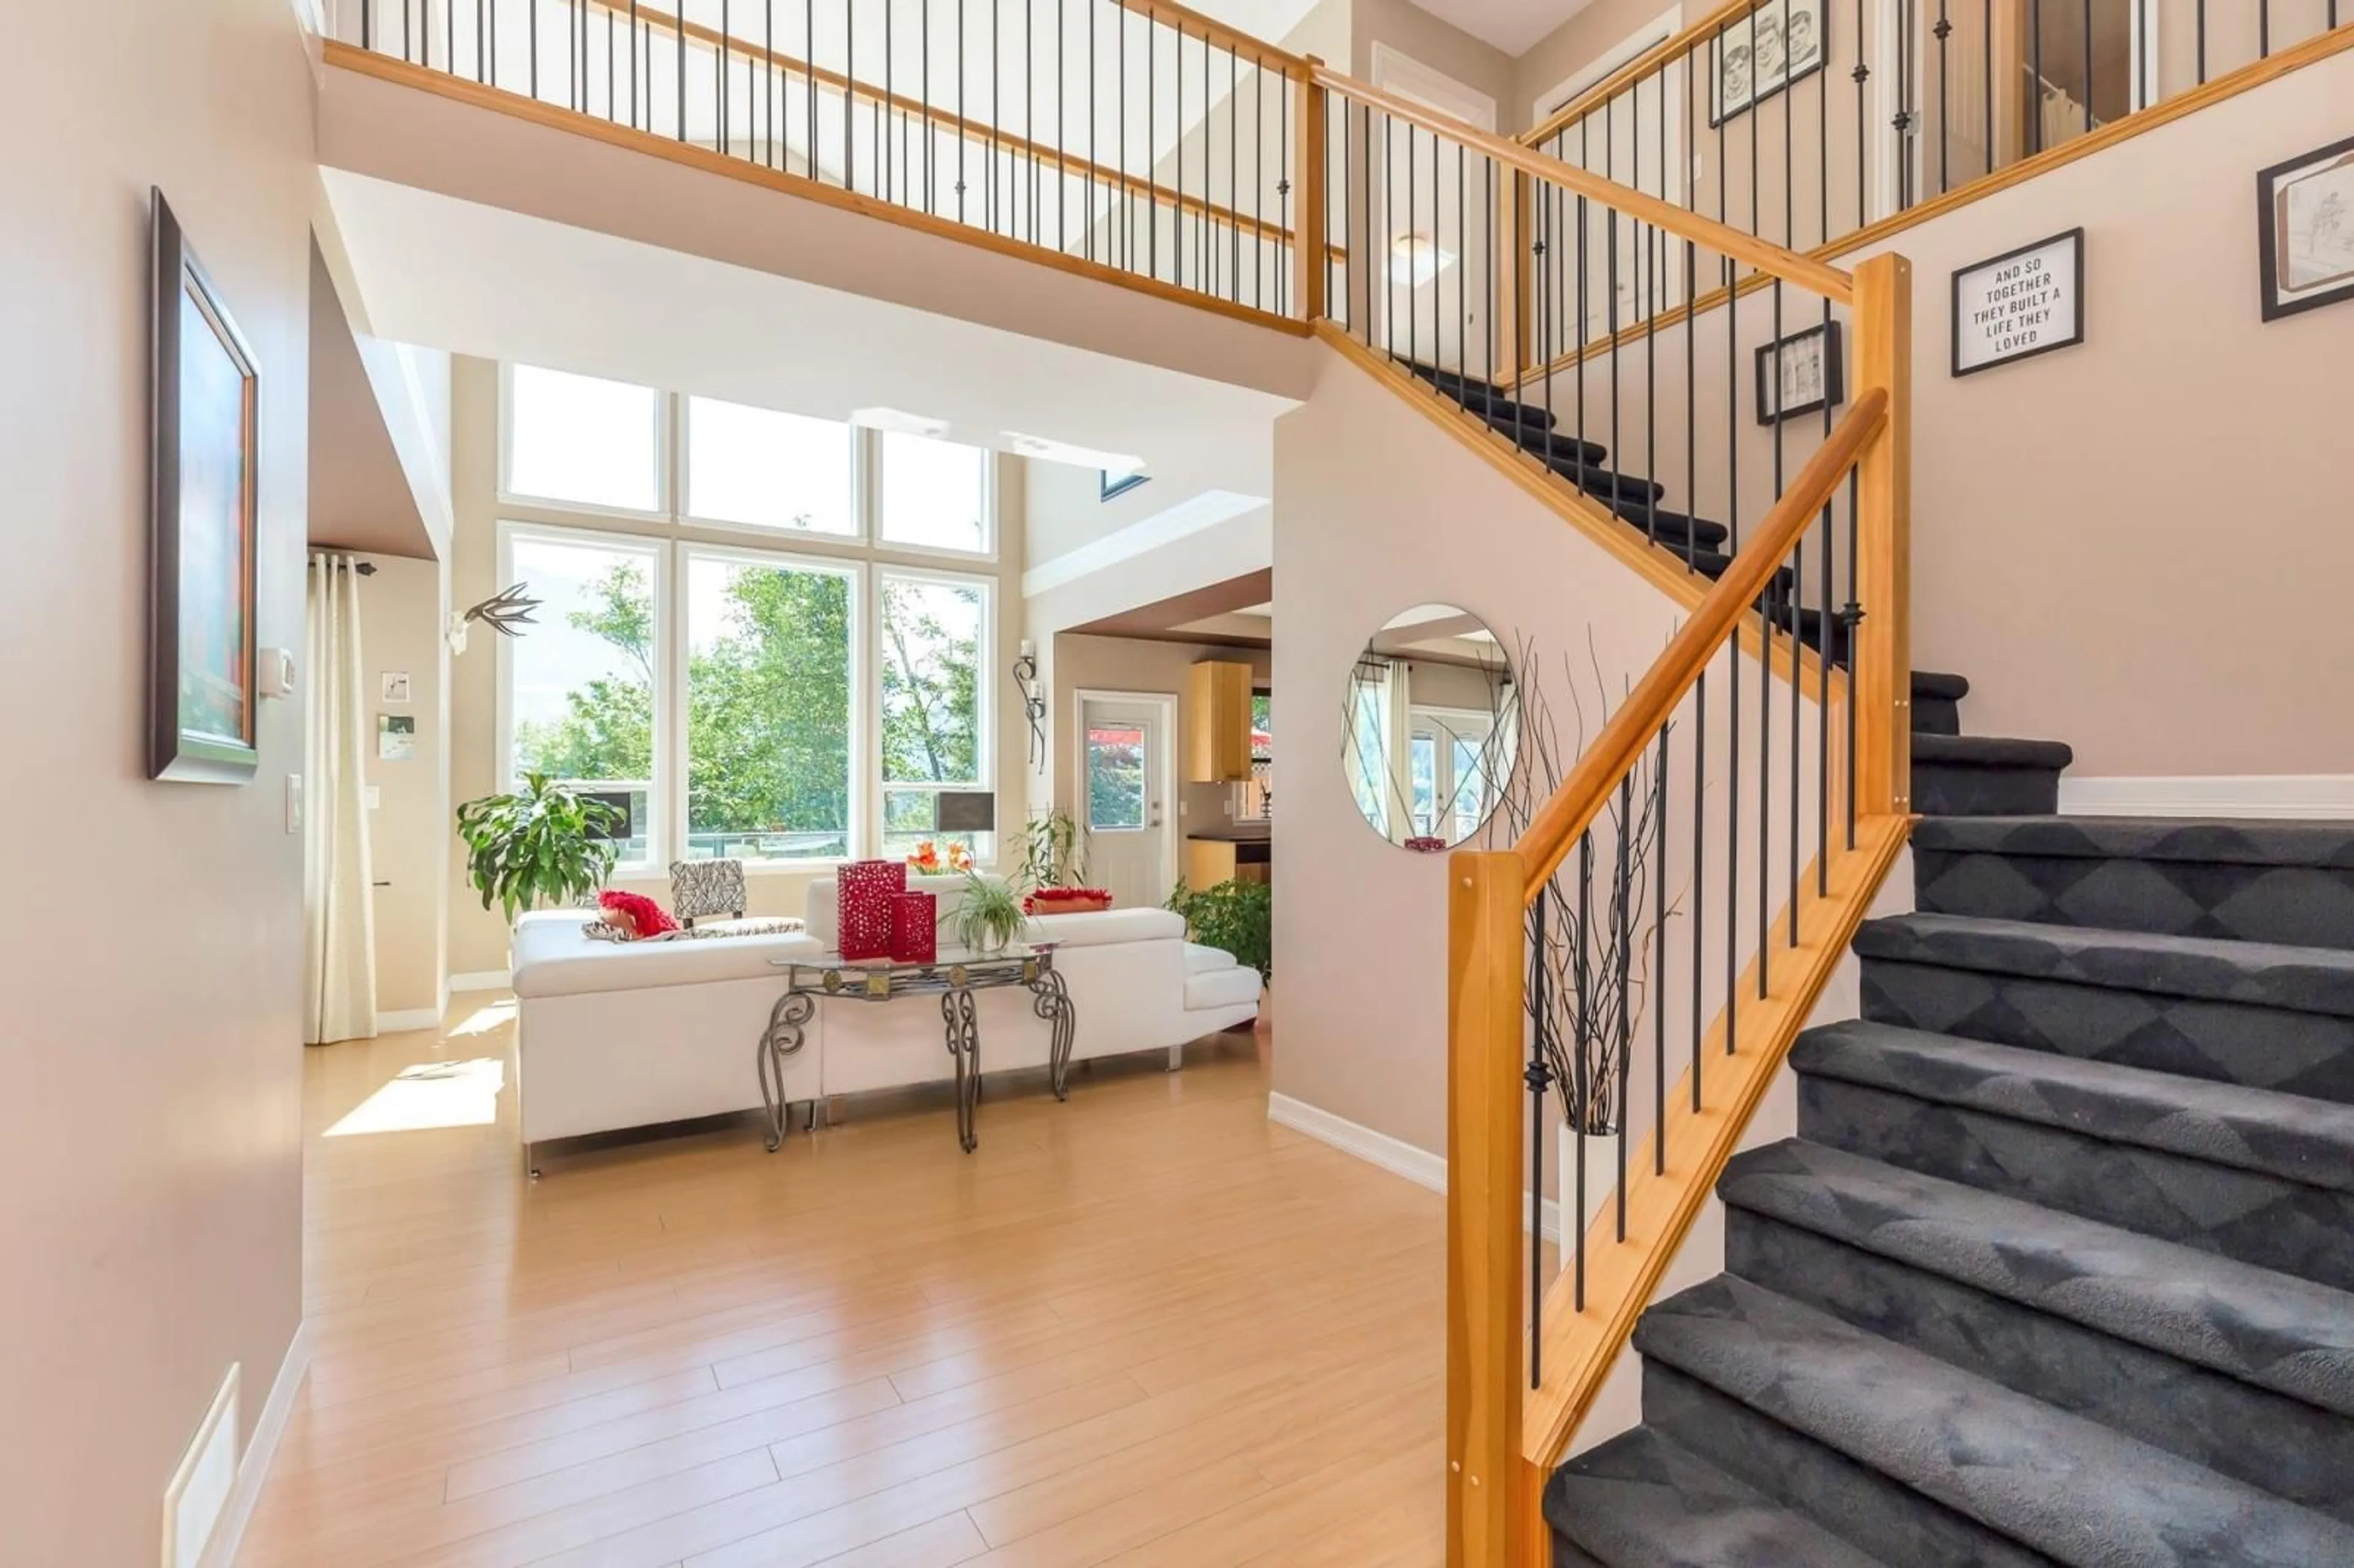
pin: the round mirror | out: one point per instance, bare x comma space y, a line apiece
1431, 726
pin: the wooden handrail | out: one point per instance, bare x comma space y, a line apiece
1571, 808
1128, 185
1642, 65
1832, 283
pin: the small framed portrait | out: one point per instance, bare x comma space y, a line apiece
1758, 54
396, 737
2304, 222
394, 686
1800, 373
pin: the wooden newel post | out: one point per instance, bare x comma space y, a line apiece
1486, 1353
1882, 664
1307, 175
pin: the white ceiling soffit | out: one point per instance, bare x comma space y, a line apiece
481, 280
1165, 527
1512, 26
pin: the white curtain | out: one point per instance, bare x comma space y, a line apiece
339, 914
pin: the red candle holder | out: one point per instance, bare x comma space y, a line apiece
862, 897
915, 927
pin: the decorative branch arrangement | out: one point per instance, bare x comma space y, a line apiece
1591, 932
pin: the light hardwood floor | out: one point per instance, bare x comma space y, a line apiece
1147, 1327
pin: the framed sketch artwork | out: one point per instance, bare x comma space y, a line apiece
1802, 373
201, 686
2305, 216
1758, 54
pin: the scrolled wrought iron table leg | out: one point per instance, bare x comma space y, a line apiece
1050, 998
963, 1025
782, 1038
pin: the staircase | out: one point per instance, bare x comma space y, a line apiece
2059, 1268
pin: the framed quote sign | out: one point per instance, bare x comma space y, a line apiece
2020, 304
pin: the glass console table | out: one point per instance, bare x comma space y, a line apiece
952, 975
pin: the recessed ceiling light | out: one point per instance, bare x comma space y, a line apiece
900, 422
1120, 465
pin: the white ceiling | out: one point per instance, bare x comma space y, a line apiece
359, 495
1512, 26
486, 281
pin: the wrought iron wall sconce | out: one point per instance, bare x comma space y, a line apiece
1034, 701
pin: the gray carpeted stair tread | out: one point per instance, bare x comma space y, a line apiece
2221, 842
2271, 1330
1640, 1501
1644, 515
1540, 441
1944, 688
2070, 1488
2259, 974
1607, 485
1990, 751
2287, 1137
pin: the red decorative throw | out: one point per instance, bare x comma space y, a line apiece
638, 915
915, 927
1066, 901
863, 906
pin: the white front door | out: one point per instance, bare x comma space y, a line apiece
1126, 778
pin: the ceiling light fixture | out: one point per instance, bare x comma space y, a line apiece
900, 422
1120, 465
1416, 258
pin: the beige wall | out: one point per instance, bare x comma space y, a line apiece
478, 937
151, 1137
401, 612
1382, 511
2119, 544
1425, 38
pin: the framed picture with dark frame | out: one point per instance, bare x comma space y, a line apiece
2305, 224
2019, 304
1812, 368
202, 698
1779, 43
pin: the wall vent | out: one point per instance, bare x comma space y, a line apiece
199, 1491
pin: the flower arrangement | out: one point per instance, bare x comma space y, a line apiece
938, 860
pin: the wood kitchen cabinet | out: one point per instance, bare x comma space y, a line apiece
1217, 722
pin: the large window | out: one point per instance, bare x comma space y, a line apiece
580, 441
781, 708
581, 687
769, 663
934, 633
935, 495
761, 468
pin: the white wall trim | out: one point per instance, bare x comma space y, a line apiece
1167, 526
1419, 1166
253, 1468
2293, 795
407, 1018
480, 979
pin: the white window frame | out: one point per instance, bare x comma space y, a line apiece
666, 480
985, 688
869, 492
864, 710
661, 786
866, 516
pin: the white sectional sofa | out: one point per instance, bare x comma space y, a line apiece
614, 1036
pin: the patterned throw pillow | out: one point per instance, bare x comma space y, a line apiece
705, 887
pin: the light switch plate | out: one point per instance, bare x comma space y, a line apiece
373, 797
293, 802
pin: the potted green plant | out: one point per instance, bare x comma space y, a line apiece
542, 844
1236, 917
989, 914
1054, 851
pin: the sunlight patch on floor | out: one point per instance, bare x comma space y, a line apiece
429, 1095
497, 1016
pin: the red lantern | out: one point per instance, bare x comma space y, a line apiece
863, 906
915, 927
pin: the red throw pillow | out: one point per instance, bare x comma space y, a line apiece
635, 913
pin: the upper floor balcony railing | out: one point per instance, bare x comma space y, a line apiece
1131, 135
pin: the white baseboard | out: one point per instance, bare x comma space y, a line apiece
409, 1018
1396, 1155
2289, 795
253, 1470
480, 979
